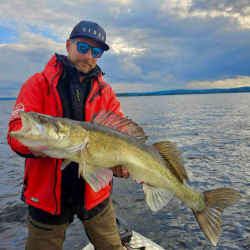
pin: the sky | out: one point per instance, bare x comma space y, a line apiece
155, 45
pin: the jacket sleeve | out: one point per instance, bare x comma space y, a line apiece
30, 98
114, 104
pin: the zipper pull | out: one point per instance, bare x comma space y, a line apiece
85, 213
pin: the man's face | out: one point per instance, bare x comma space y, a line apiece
83, 62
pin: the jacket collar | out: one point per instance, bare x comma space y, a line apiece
95, 72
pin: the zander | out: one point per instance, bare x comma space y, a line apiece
110, 140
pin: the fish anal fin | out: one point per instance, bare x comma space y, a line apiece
96, 177
210, 218
125, 125
157, 197
172, 155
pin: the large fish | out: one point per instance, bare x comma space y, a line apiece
110, 140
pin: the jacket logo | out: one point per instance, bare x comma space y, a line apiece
120, 110
34, 199
15, 115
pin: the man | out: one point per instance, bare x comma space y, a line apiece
69, 87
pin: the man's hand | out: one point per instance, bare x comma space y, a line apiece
37, 153
117, 170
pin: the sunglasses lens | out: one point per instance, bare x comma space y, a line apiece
83, 48
96, 52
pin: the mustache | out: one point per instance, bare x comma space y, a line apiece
86, 61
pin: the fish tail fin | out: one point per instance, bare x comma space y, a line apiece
209, 219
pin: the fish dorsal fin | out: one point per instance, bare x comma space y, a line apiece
172, 154
125, 125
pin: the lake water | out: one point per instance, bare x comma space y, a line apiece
213, 133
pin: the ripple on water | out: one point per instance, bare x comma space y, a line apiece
213, 134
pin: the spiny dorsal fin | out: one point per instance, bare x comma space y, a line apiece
172, 154
125, 125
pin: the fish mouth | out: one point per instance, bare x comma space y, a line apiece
29, 127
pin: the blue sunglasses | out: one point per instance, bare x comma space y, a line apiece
84, 48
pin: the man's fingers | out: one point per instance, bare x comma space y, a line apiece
125, 174
117, 170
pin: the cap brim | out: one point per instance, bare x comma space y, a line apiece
103, 45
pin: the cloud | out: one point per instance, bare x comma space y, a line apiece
59, 17
23, 59
122, 2
118, 46
155, 45
232, 10
240, 81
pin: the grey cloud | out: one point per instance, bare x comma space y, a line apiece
230, 6
177, 50
23, 59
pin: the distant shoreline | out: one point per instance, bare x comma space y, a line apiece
188, 92
8, 98
174, 92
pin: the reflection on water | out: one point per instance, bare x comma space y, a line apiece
213, 134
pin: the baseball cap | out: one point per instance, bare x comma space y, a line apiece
92, 31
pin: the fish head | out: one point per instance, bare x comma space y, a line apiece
48, 130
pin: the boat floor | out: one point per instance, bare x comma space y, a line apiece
137, 241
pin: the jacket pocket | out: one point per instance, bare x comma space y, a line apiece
98, 92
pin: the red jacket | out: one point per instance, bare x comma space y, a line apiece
42, 178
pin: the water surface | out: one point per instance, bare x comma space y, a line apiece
213, 133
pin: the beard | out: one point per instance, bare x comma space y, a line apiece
82, 70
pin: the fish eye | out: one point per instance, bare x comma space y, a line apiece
42, 119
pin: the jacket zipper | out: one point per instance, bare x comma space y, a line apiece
73, 185
87, 100
78, 95
53, 89
55, 185
95, 94
60, 116
86, 213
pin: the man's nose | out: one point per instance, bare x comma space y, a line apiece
89, 55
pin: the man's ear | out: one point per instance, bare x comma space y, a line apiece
68, 43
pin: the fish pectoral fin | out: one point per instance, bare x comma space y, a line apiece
73, 149
66, 152
65, 163
172, 155
56, 153
157, 197
96, 177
